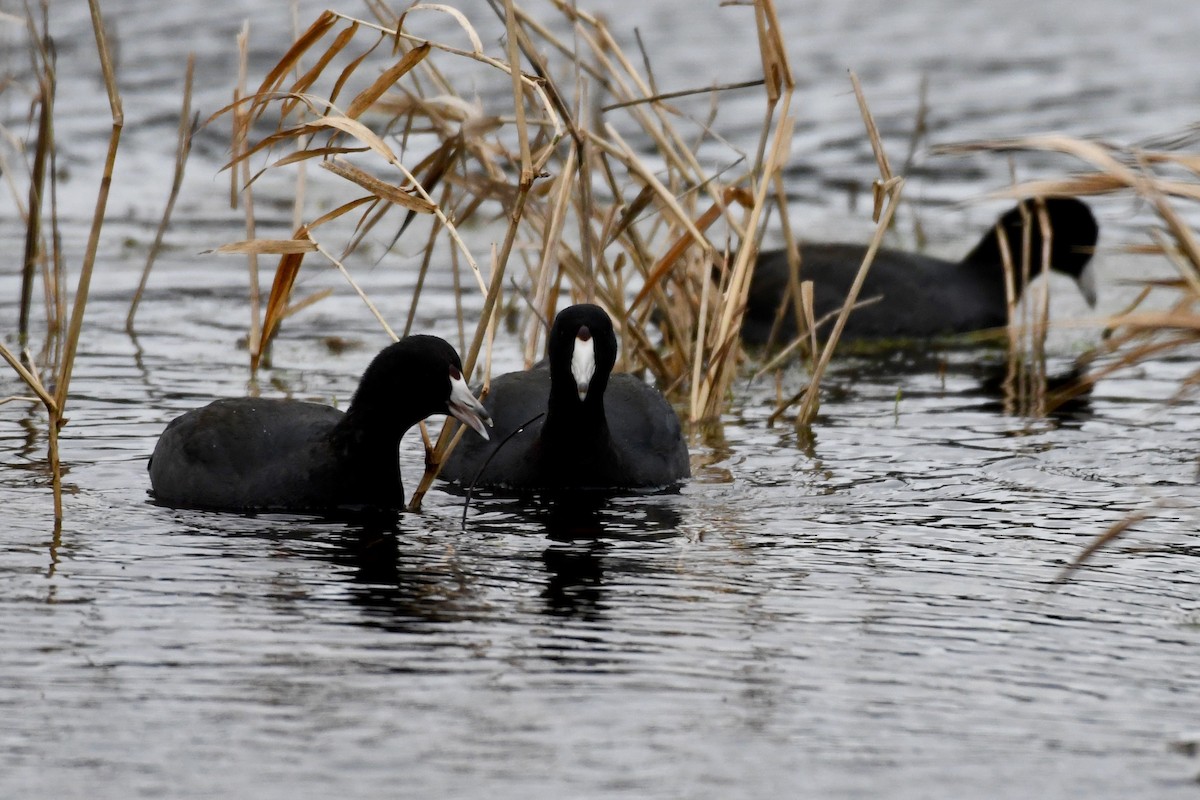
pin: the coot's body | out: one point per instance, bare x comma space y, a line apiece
919, 296
250, 454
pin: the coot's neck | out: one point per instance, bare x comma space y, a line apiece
987, 260
366, 442
568, 417
575, 440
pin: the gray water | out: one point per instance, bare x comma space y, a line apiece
865, 615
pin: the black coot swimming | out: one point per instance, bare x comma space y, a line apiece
250, 453
599, 431
923, 296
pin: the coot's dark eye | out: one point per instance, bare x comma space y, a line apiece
455, 375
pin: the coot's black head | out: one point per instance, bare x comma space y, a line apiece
1073, 234
415, 378
583, 350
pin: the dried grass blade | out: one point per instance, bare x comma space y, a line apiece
668, 261
267, 142
463, 22
1096, 183
342, 209
281, 290
381, 189
367, 97
268, 247
317, 152
348, 70
305, 81
274, 78
355, 129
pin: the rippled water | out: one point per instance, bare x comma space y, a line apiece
864, 615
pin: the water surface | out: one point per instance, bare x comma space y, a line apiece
865, 615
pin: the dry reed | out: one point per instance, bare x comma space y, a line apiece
585, 212
1162, 180
55, 402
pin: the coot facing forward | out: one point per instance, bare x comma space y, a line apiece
599, 431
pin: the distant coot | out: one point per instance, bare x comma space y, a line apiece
260, 454
599, 431
921, 296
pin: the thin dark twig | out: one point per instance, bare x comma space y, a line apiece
188, 125
479, 474
1114, 531
682, 93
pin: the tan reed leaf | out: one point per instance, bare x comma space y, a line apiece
355, 129
367, 97
348, 71
341, 210
281, 290
379, 188
305, 81
267, 247
316, 152
1096, 183
274, 78
459, 17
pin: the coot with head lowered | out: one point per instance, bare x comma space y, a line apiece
920, 296
255, 454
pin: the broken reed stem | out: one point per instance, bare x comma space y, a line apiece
1115, 531
549, 257
93, 242
56, 404
887, 191
30, 377
182, 150
808, 409
514, 70
256, 342
772, 154
435, 459
726, 345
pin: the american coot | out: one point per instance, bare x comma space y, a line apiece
923, 296
261, 454
600, 431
